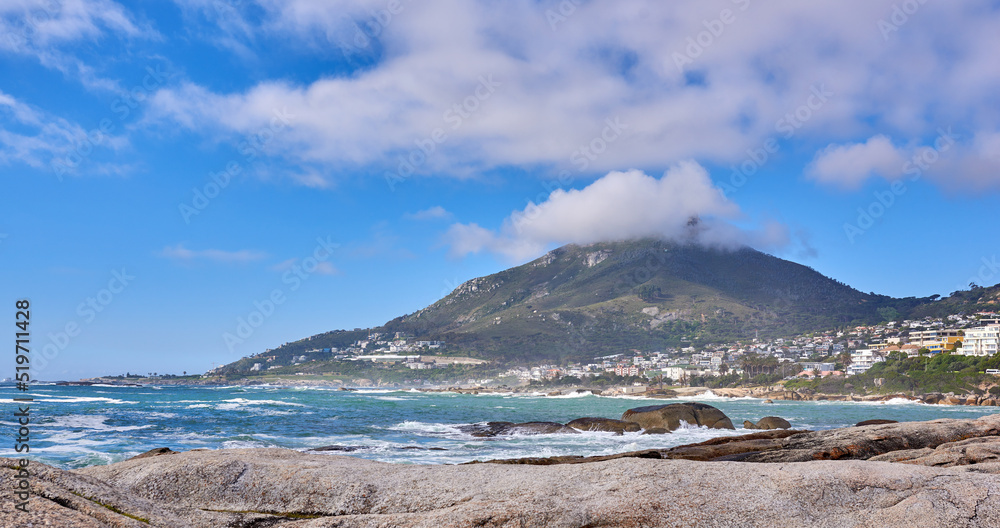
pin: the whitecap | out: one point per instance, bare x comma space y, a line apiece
427, 428
84, 399
244, 401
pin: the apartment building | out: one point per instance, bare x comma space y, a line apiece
862, 360
982, 341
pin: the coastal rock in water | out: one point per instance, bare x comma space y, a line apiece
862, 443
485, 429
783, 395
768, 422
509, 428
773, 422
655, 430
535, 428
352, 448
670, 416
932, 398
338, 448
874, 422
604, 425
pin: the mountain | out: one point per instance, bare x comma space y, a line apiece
578, 302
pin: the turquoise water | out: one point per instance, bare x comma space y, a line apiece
80, 426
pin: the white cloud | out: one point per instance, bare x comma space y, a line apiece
181, 253
607, 60
321, 268
957, 163
620, 206
851, 165
35, 138
433, 213
41, 23
48, 30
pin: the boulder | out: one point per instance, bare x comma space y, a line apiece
768, 401
490, 429
874, 422
485, 429
655, 430
670, 416
155, 452
783, 395
727, 447
609, 425
536, 428
932, 398
716, 449
768, 422
862, 443
960, 453
352, 448
773, 422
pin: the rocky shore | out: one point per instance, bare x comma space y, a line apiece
933, 398
775, 392
772, 393
916, 474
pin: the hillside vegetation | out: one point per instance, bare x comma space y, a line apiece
578, 302
920, 375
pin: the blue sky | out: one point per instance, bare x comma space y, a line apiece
406, 147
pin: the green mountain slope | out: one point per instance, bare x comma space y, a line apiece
977, 299
579, 302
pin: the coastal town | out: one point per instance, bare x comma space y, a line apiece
843, 352
832, 353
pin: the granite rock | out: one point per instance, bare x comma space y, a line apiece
864, 442
670, 416
604, 425
300, 490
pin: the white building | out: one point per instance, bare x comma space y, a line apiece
982, 341
862, 360
929, 337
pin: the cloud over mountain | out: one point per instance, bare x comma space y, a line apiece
683, 205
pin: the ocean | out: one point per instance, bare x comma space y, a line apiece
74, 427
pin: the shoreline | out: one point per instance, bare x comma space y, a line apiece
774, 392
934, 473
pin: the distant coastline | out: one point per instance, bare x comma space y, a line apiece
775, 392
